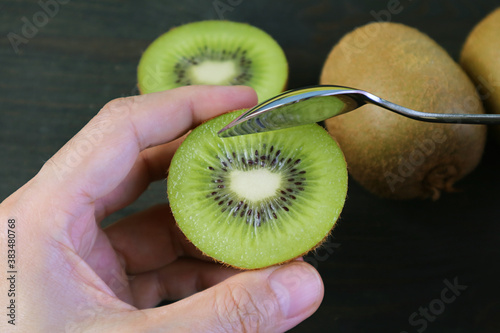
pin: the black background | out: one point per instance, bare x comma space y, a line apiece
387, 259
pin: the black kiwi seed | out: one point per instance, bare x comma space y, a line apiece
252, 214
205, 53
248, 55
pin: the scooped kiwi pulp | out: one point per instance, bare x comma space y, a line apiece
214, 53
257, 200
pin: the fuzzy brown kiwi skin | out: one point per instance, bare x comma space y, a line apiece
385, 152
480, 59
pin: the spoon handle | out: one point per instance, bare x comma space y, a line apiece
317, 103
455, 118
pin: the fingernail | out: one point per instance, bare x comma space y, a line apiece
298, 287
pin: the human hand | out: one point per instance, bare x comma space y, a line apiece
74, 276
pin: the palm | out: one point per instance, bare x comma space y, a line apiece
103, 260
73, 271
89, 255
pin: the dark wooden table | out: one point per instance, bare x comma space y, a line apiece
388, 260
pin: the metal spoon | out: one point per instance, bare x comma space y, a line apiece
317, 103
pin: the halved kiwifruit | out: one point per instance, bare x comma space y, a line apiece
214, 53
257, 200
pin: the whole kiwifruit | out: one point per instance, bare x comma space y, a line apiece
214, 52
257, 200
480, 57
391, 155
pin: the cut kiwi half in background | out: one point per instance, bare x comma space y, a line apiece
257, 200
214, 53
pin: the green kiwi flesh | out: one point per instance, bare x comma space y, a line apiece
257, 200
214, 53
390, 155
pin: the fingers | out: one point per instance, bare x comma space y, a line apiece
151, 165
102, 154
149, 240
180, 279
269, 300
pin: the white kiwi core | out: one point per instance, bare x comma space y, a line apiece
214, 72
254, 185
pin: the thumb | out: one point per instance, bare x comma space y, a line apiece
269, 300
